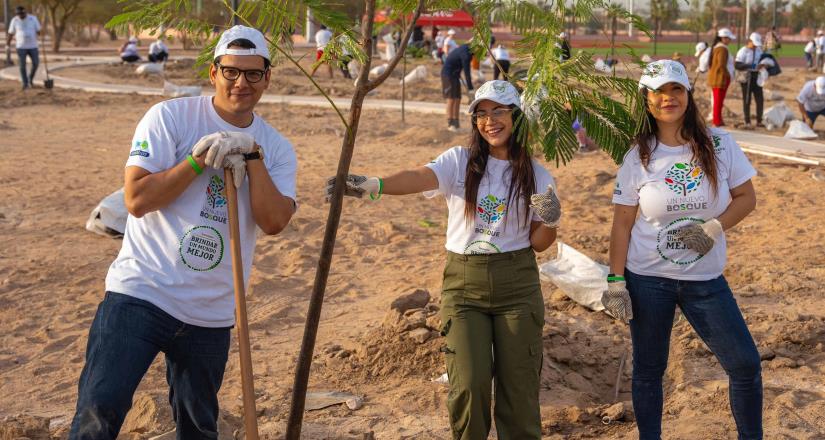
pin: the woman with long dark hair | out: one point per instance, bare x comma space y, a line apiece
688, 184
720, 72
502, 209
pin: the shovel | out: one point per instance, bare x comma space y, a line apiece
48, 82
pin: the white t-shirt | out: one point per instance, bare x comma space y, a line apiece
25, 31
749, 56
439, 41
322, 38
497, 227
810, 47
704, 60
157, 47
500, 54
178, 257
673, 193
129, 50
812, 101
449, 44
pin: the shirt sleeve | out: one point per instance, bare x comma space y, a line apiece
740, 170
36, 24
803, 94
625, 192
741, 56
283, 169
155, 141
13, 25
445, 167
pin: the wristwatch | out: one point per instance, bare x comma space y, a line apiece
255, 155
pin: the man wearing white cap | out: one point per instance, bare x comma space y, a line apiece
170, 288
811, 100
820, 50
747, 66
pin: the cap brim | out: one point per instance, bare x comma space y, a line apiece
477, 100
659, 82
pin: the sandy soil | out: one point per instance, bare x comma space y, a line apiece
64, 151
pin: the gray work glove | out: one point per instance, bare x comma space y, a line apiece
547, 206
616, 300
238, 165
700, 238
357, 186
218, 145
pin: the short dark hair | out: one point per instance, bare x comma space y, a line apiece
243, 43
20, 9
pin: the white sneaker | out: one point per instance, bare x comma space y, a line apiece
452, 128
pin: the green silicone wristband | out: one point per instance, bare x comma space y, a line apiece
380, 190
615, 278
195, 166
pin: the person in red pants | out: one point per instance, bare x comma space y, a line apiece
720, 72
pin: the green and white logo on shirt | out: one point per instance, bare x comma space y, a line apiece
140, 149
684, 178
201, 248
214, 208
671, 248
492, 209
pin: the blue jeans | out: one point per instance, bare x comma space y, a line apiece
813, 115
126, 335
711, 310
28, 80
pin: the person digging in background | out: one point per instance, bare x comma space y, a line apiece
158, 52
458, 60
688, 185
747, 66
811, 100
170, 289
129, 51
25, 28
492, 311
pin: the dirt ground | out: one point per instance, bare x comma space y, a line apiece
64, 150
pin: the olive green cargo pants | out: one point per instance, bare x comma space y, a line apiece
492, 314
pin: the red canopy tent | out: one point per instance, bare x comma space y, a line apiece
457, 18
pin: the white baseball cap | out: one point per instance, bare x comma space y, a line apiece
563, 34
700, 46
239, 32
498, 91
661, 72
756, 39
725, 33
451, 32
819, 85
820, 32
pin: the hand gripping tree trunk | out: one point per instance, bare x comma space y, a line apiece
362, 87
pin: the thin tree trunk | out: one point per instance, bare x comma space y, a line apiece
362, 86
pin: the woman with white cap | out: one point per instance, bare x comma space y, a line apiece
502, 209
449, 42
720, 72
688, 184
747, 67
129, 51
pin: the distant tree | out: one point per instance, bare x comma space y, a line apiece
663, 14
807, 13
60, 12
698, 22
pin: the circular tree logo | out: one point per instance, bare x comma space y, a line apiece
671, 248
684, 178
491, 209
481, 247
201, 248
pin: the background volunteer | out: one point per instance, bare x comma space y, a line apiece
811, 100
687, 184
747, 65
458, 60
158, 52
491, 297
720, 72
170, 288
25, 28
322, 39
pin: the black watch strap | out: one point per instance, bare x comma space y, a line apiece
253, 155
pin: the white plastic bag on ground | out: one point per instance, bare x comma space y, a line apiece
109, 216
580, 278
776, 116
378, 70
176, 91
601, 66
800, 130
416, 75
149, 69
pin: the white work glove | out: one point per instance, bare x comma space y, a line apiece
218, 145
357, 186
238, 165
700, 238
547, 206
616, 300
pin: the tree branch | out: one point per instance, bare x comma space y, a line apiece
400, 53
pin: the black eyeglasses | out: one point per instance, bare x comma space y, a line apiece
233, 73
